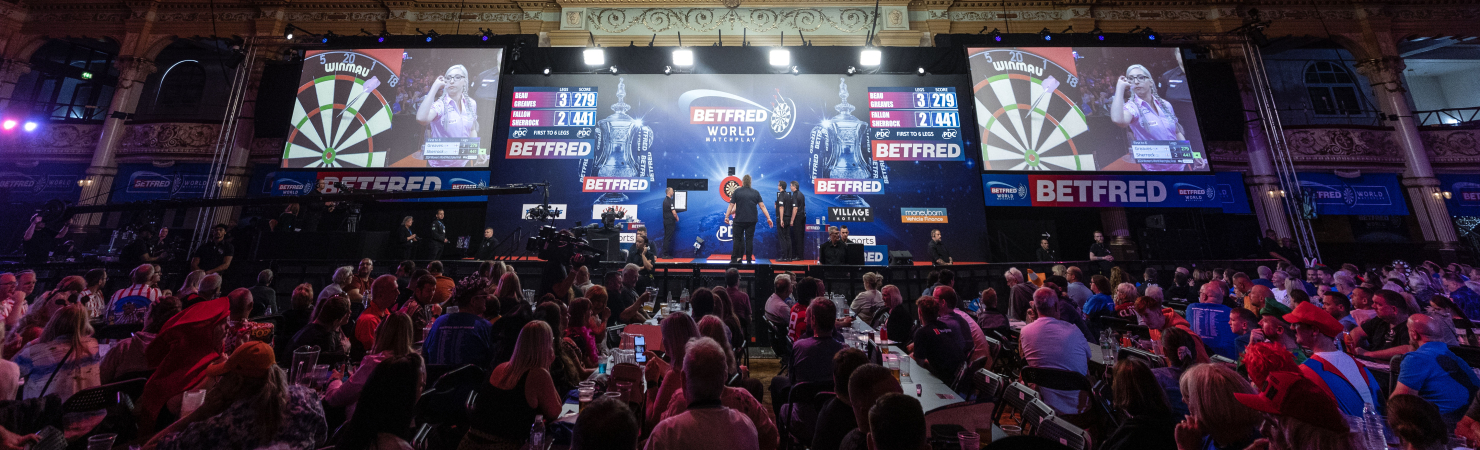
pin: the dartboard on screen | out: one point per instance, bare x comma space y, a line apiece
1026, 111
340, 110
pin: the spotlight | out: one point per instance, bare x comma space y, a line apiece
594, 56
29, 126
380, 39
920, 70
667, 70
8, 125
613, 69
1150, 35
486, 34
870, 57
547, 71
852, 70
290, 34
794, 70
683, 57
1047, 35
429, 39
1098, 34
288, 31
383, 35
996, 35
780, 57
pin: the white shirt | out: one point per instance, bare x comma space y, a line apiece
1056, 344
1348, 368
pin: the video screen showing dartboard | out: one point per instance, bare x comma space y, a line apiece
1107, 109
394, 107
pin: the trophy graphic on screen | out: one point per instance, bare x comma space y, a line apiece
617, 137
840, 141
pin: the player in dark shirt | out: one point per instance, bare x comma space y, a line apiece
796, 221
743, 204
783, 226
670, 225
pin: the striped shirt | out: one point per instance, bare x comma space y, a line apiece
138, 289
131, 313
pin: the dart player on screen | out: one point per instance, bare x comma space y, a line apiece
448, 112
1145, 113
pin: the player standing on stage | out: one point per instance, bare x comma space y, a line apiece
743, 203
783, 228
797, 222
670, 225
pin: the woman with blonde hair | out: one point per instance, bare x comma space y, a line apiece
870, 301
392, 339
517, 392
64, 359
1216, 420
509, 294
192, 284
678, 329
36, 318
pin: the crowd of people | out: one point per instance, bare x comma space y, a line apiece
1284, 358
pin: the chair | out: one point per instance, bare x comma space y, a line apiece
1153, 360
1223, 360
780, 344
805, 401
101, 397
1034, 414
989, 385
963, 376
1065, 380
1061, 431
994, 347
1395, 368
461, 375
1016, 396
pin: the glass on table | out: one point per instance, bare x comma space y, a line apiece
892, 363
970, 440
904, 363
1012, 430
587, 392
101, 441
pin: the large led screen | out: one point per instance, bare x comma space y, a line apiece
394, 107
882, 154
1109, 109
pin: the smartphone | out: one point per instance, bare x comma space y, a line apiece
642, 358
641, 344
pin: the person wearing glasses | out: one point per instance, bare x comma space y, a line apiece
448, 112
1146, 114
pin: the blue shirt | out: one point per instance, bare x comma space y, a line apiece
1210, 322
1467, 300
460, 338
1099, 304
1421, 372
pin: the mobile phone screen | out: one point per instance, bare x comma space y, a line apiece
641, 358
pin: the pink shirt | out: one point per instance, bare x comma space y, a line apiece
705, 428
740, 400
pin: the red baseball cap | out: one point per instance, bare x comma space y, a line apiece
1290, 394
1310, 314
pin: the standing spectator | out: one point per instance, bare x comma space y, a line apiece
128, 355
1435, 373
1149, 422
1332, 370
264, 297
1417, 423
251, 406
392, 340
707, 424
389, 397
870, 301
64, 359
1300, 415
518, 393
1216, 420
1055, 344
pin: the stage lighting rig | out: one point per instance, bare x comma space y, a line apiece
547, 71
1150, 35
683, 57
430, 34
870, 57
1097, 33
995, 35
780, 57
613, 69
487, 34
290, 29
594, 56
1045, 34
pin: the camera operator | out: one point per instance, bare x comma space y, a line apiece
40, 239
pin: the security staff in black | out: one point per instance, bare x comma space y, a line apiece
743, 203
797, 222
670, 225
783, 230
486, 246
439, 236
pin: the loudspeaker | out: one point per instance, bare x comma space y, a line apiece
901, 258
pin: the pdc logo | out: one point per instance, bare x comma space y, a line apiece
724, 234
728, 186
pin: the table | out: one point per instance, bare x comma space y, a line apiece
933, 393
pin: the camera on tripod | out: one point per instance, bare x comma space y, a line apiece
564, 247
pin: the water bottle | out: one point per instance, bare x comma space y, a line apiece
537, 433
683, 299
1372, 429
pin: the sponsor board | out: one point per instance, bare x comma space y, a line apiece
862, 239
875, 255
917, 151
614, 184
1377, 194
288, 183
1162, 191
923, 215
849, 214
550, 149
824, 186
1464, 194
627, 212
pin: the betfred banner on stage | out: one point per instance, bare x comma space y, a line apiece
1126, 191
268, 182
861, 149
1373, 194
141, 182
1464, 193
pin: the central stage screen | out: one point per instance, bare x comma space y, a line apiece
391, 107
883, 154
1109, 109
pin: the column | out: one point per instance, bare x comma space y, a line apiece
1118, 234
1262, 178
131, 75
1385, 73
11, 71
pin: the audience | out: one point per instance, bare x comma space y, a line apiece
187, 343
836, 418
778, 306
264, 297
1242, 322
518, 393
866, 385
392, 340
1339, 306
897, 422
1020, 294
1433, 372
707, 423
798, 323
605, 424
976, 342
389, 397
1299, 415
711, 327
382, 296
1417, 423
1332, 370
869, 302
239, 328
1216, 419
131, 304
739, 299
127, 356
938, 348
64, 359
1385, 335
1148, 419
1210, 320
1182, 350
1263, 358
665, 378
325, 330
990, 319
901, 320
1055, 344
251, 405
566, 369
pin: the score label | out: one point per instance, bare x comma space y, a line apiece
915, 124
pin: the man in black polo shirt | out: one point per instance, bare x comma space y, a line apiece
214, 256
1098, 252
939, 255
783, 227
797, 222
670, 224
835, 250
743, 204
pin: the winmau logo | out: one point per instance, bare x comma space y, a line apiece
1020, 66
347, 67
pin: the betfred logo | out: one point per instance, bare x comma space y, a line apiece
550, 149
923, 215
916, 151
699, 115
614, 184
824, 186
728, 187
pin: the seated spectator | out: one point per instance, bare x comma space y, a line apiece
389, 396
127, 356
1300, 415
68, 292
707, 424
239, 329
131, 304
392, 340
605, 424
739, 299
1181, 350
724, 310
739, 375
446, 285
938, 347
191, 286
1417, 423
901, 321
187, 343
382, 296
1386, 335
869, 302
1339, 306
463, 337
811, 360
1216, 420
1261, 300
1274, 329
1209, 319
992, 321
1157, 319
1052, 343
210, 289
1332, 370
297, 316
518, 393
1461, 294
799, 324
976, 343
778, 306
92, 297
64, 359
1242, 322
251, 406
1263, 358
325, 330
677, 329
566, 369
836, 418
1149, 420
897, 422
264, 297
580, 330
1435, 373
867, 383
701, 302
1100, 304
736, 398
1362, 308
